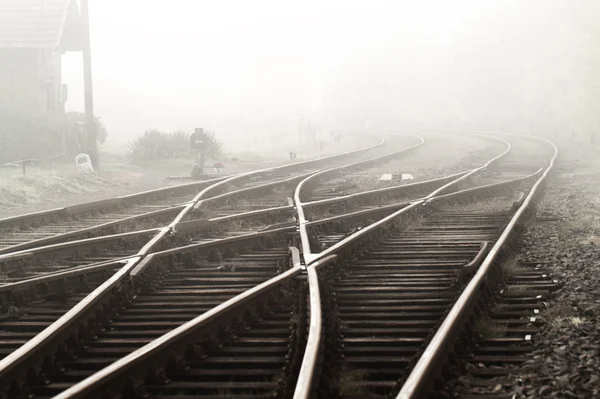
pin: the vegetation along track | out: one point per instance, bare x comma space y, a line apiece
154, 208
277, 190
93, 218
25, 264
394, 288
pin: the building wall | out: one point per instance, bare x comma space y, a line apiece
30, 79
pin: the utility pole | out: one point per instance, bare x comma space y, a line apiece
90, 123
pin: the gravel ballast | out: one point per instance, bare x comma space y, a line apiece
566, 241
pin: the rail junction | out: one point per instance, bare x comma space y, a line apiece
309, 280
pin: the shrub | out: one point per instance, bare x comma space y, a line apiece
157, 145
28, 135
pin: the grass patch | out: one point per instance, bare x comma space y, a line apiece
510, 267
517, 288
353, 382
588, 226
493, 205
577, 321
489, 330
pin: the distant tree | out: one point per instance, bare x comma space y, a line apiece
74, 117
28, 135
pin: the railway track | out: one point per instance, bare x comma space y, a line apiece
243, 381
150, 209
40, 291
171, 297
234, 319
85, 220
453, 155
379, 202
399, 282
278, 189
18, 264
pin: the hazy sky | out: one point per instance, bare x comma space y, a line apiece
222, 64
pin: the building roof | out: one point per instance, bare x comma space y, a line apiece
35, 23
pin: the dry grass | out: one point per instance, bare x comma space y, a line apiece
577, 321
510, 267
561, 313
352, 382
517, 288
488, 329
41, 187
488, 205
583, 225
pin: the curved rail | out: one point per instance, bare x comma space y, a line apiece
418, 382
445, 188
97, 206
299, 204
208, 187
122, 368
23, 358
315, 332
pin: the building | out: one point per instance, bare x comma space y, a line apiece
33, 36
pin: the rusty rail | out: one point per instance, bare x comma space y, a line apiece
33, 352
403, 216
299, 203
418, 382
155, 352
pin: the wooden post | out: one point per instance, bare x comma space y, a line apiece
90, 123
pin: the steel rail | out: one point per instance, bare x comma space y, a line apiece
51, 251
418, 382
307, 373
44, 280
299, 204
445, 188
107, 375
24, 355
96, 206
144, 263
77, 271
58, 330
298, 165
88, 230
423, 185
415, 186
487, 187
306, 377
208, 186
469, 192
92, 387
384, 209
304, 385
486, 190
197, 225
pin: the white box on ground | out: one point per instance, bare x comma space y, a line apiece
407, 176
386, 176
84, 163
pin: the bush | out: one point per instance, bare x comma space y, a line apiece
156, 145
28, 135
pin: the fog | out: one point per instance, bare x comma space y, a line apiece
246, 69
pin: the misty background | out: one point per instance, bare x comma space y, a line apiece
252, 69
